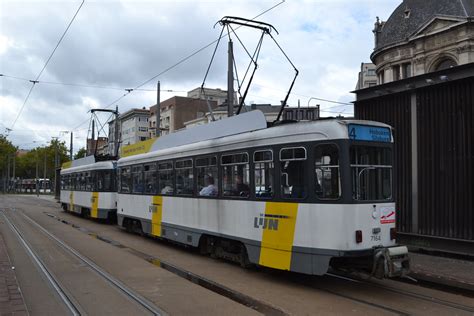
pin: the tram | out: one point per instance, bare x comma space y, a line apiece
301, 196
89, 189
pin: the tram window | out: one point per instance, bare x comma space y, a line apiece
82, 181
137, 179
125, 180
88, 183
235, 175
105, 180
371, 170
327, 177
165, 178
207, 184
292, 168
264, 169
184, 177
151, 178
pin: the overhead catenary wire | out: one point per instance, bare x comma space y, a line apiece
46, 64
176, 64
86, 85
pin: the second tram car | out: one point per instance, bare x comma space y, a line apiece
299, 196
90, 190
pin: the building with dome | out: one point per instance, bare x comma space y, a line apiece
423, 36
424, 62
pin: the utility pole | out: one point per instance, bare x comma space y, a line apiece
36, 179
230, 80
70, 149
8, 173
14, 177
158, 112
116, 133
44, 173
93, 137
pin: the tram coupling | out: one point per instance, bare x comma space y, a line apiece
391, 262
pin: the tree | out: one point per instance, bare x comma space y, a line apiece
7, 153
42, 158
80, 153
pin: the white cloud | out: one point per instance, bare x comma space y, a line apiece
123, 43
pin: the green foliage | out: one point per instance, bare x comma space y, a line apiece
80, 153
7, 150
41, 159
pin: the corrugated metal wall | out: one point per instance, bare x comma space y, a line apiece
395, 111
446, 160
445, 137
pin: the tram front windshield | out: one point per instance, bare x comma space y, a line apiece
371, 172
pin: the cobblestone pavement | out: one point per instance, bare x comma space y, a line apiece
11, 299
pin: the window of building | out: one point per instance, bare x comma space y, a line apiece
396, 72
184, 177
207, 184
165, 178
293, 171
327, 177
264, 170
445, 63
235, 175
371, 72
406, 70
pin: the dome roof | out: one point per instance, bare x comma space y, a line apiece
411, 15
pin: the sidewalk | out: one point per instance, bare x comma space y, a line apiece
11, 299
450, 272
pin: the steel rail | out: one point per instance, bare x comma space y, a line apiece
135, 296
51, 279
410, 294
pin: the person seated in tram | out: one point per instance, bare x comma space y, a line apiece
210, 189
242, 188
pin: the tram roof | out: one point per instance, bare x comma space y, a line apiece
101, 165
251, 132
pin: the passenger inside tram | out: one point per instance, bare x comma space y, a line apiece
210, 189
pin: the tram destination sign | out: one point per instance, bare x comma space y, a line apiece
369, 133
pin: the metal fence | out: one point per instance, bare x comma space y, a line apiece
434, 147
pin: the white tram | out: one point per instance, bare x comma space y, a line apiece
90, 189
300, 196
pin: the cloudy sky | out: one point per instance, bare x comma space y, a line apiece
116, 45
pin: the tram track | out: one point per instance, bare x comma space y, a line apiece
371, 293
60, 291
406, 293
268, 309
73, 306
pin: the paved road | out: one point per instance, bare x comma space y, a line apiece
286, 292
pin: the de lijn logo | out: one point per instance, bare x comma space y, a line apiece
267, 221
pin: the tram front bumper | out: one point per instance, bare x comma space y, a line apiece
391, 262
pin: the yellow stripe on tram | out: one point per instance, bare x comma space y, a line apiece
157, 212
278, 225
95, 204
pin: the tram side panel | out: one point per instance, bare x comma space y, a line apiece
286, 236
96, 204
